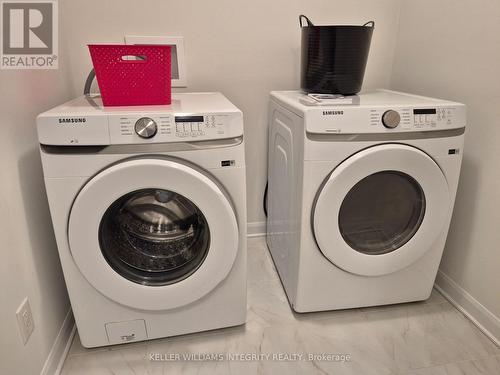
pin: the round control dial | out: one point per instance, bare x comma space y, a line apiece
391, 119
146, 127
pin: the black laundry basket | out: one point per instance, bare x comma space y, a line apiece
333, 58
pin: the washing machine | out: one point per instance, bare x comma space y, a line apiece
361, 194
149, 212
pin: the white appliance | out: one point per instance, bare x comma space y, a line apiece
149, 210
360, 196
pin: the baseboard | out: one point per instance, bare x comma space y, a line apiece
256, 229
54, 363
478, 314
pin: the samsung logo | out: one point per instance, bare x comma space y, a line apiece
74, 120
332, 113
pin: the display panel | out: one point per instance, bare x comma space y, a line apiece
189, 119
424, 111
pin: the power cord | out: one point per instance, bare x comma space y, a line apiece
264, 203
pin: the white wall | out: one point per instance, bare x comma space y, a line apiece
451, 49
243, 48
30, 263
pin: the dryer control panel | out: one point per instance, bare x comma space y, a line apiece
361, 120
433, 117
417, 119
379, 111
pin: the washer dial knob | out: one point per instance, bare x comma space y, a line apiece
391, 119
146, 127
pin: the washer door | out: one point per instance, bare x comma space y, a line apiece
381, 209
153, 234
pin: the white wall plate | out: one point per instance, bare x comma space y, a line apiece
178, 61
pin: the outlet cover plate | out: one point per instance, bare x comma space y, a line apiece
25, 320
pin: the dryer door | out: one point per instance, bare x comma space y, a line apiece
381, 209
153, 234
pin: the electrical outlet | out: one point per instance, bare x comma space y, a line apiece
25, 320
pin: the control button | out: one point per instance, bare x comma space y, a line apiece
146, 127
391, 119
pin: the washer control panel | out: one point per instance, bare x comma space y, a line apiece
190, 117
151, 128
198, 126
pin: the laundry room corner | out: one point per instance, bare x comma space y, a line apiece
462, 64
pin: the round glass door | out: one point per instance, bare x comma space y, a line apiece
381, 209
154, 237
382, 212
153, 233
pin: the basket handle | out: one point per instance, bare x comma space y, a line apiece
370, 24
91, 76
131, 58
308, 21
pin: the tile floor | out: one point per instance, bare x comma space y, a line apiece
423, 338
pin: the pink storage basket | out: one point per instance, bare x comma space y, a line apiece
132, 74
